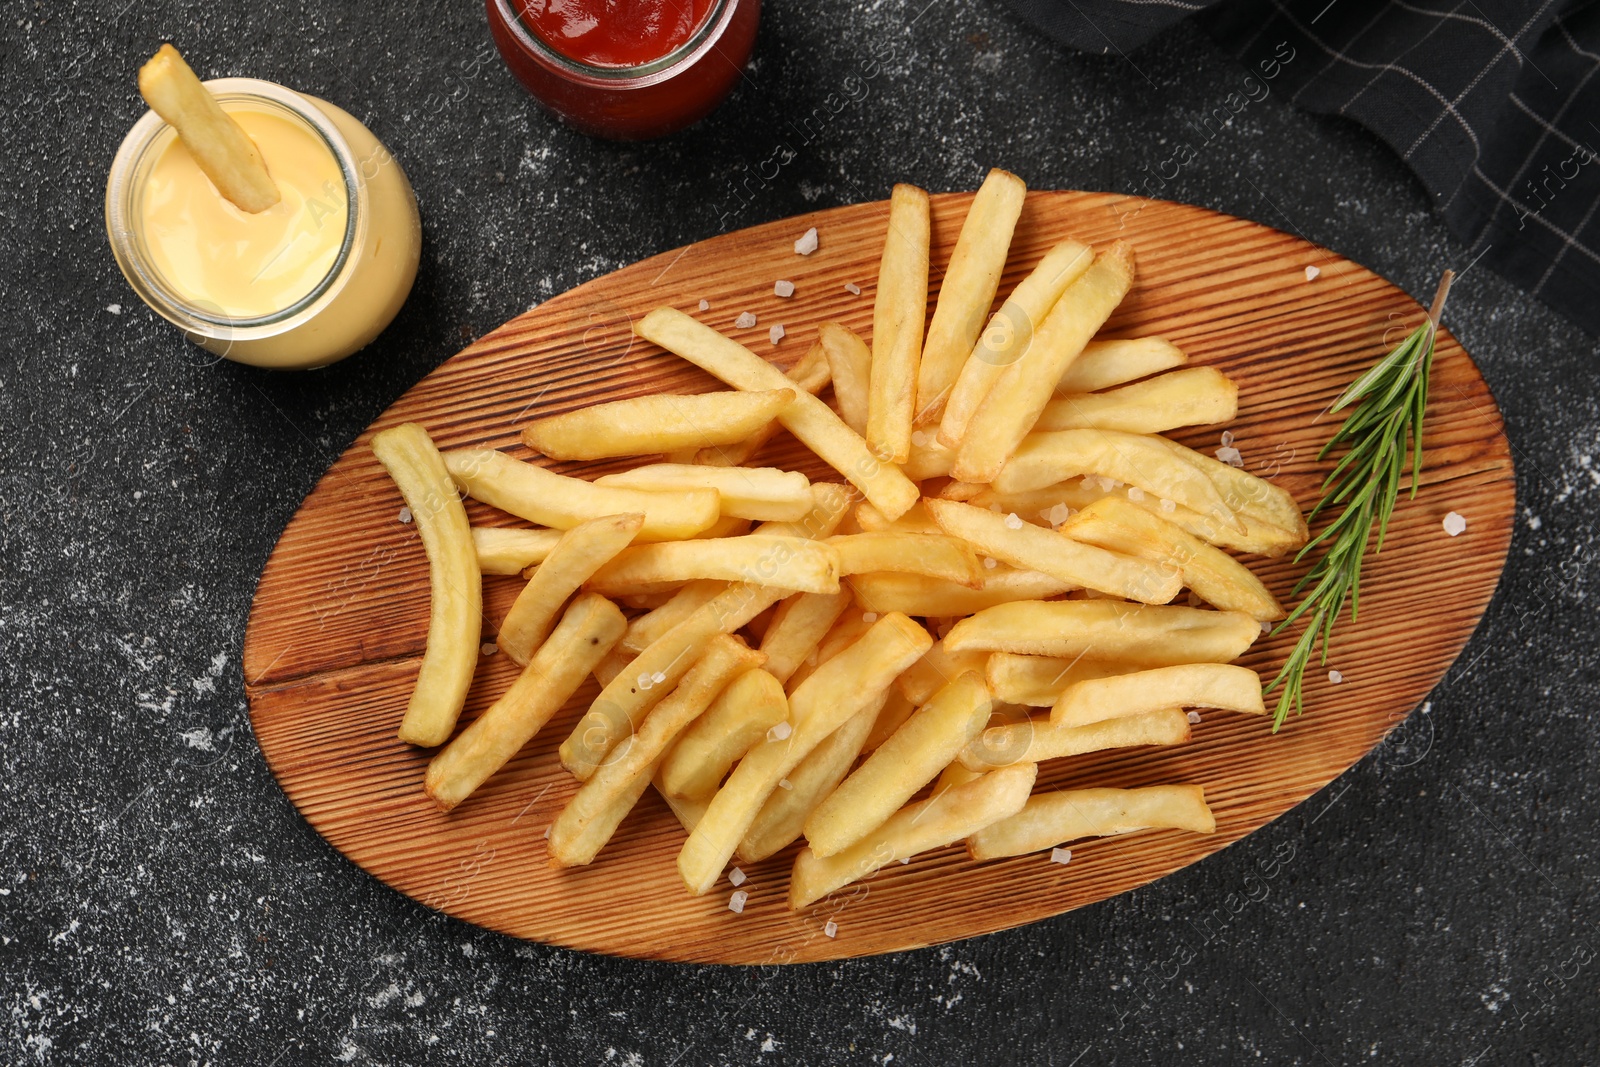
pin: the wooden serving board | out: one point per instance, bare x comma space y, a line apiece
340, 614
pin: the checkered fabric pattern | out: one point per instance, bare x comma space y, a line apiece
1494, 104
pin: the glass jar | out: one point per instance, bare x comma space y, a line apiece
361, 292
632, 103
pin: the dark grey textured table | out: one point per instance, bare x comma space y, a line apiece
161, 901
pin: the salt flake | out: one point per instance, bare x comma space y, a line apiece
775, 334
1061, 855
1455, 524
807, 243
1335, 677
405, 515
1057, 515
830, 929
990, 562
736, 902
115, 309
1135, 493
1230, 455
1168, 506
1227, 438
737, 877
852, 288
1194, 718
645, 681
869, 616
1013, 521
744, 321
919, 438
487, 648
658, 677
783, 288
1311, 274
784, 783
779, 732
705, 305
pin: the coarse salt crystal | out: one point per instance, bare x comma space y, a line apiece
1013, 521
783, 288
645, 681
1335, 677
1061, 855
736, 877
736, 902
775, 334
784, 783
1167, 505
990, 562
779, 731
705, 305
807, 243
1227, 438
744, 321
1090, 481
547, 832
869, 616
830, 929
1135, 493
852, 288
488, 648
1058, 515
1455, 524
919, 438
904, 860
115, 309
658, 677
405, 515
1231, 456
1194, 718
1311, 273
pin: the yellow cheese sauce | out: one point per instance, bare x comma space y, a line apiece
237, 264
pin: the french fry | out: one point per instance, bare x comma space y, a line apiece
1020, 394
551, 499
895, 711
1191, 685
809, 373
782, 817
793, 563
1038, 739
685, 602
649, 425
933, 555
916, 521
937, 669
917, 595
849, 682
830, 503
850, 366
752, 704
501, 550
455, 613
601, 803
1193, 396
808, 418
1037, 681
1215, 577
933, 736
580, 641
1140, 634
1008, 337
846, 631
929, 459
1105, 364
746, 492
626, 698
219, 145
941, 820
1052, 819
899, 310
1141, 460
798, 627
583, 550
1008, 538
968, 289
956, 773
1245, 493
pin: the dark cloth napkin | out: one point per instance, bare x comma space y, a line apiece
1494, 104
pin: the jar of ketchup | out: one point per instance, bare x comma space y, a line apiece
626, 69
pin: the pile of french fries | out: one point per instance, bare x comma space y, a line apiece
863, 664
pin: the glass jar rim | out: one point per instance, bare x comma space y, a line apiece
708, 30
124, 226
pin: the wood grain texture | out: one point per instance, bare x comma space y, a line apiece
340, 615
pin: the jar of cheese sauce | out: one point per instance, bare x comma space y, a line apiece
302, 284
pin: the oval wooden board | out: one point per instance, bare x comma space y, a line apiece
341, 610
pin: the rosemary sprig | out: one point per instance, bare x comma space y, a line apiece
1364, 485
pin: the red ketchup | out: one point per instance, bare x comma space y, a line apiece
626, 69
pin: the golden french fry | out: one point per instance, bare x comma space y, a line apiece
1141, 460
809, 373
551, 499
1022, 391
917, 595
962, 491
929, 459
933, 555
501, 550
1191, 685
219, 145
794, 563
937, 669
685, 602
1052, 819
850, 365
933, 736
1193, 396
899, 310
1245, 493
1104, 364
455, 613
917, 520
1143, 635
943, 819
782, 817
808, 418
746, 492
1215, 577
752, 704
844, 633
968, 289
798, 627
841, 687
1037, 681
895, 711
1007, 339
1008, 538
830, 504
579, 643
583, 550
1038, 739
601, 803
627, 697
648, 425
